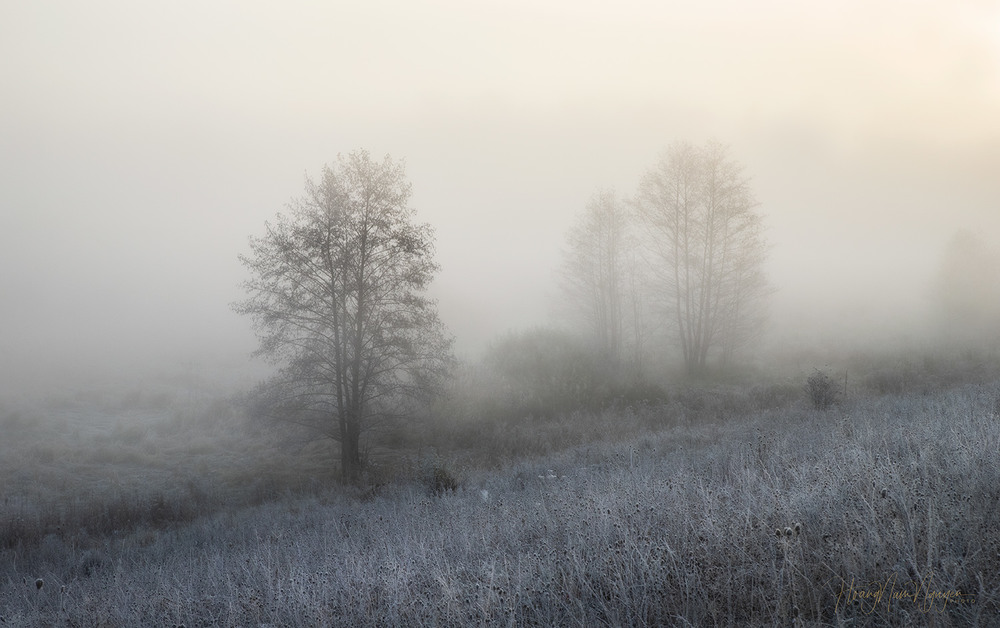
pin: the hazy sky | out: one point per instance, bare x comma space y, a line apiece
141, 143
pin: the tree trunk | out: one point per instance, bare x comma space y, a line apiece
350, 452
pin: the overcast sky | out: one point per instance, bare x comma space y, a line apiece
142, 143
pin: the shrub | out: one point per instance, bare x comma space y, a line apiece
822, 390
442, 481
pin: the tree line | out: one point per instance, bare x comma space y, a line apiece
678, 266
337, 287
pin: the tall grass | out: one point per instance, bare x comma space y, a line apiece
776, 516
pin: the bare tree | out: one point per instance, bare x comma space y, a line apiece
707, 242
594, 272
337, 297
966, 291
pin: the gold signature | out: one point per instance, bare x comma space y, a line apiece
918, 593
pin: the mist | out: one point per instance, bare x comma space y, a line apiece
141, 147
154, 469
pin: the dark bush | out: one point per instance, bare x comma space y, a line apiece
822, 390
442, 481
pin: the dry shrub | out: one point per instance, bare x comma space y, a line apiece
441, 481
822, 390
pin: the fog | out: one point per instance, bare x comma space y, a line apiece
141, 145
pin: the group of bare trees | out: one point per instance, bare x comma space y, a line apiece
337, 286
683, 259
337, 292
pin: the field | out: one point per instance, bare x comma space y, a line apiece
714, 506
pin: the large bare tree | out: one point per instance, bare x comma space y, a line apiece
708, 248
337, 297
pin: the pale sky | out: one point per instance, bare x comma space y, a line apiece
142, 143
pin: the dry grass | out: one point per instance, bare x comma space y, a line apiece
672, 523
87, 469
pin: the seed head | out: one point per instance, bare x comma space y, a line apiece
798, 529
788, 532
39, 583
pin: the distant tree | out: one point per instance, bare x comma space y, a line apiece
967, 290
707, 244
594, 276
337, 297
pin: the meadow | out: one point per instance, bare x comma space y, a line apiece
712, 505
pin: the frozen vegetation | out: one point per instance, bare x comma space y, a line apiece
715, 506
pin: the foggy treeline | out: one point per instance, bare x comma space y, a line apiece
679, 267
658, 399
338, 297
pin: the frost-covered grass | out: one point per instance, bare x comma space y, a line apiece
77, 468
673, 526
